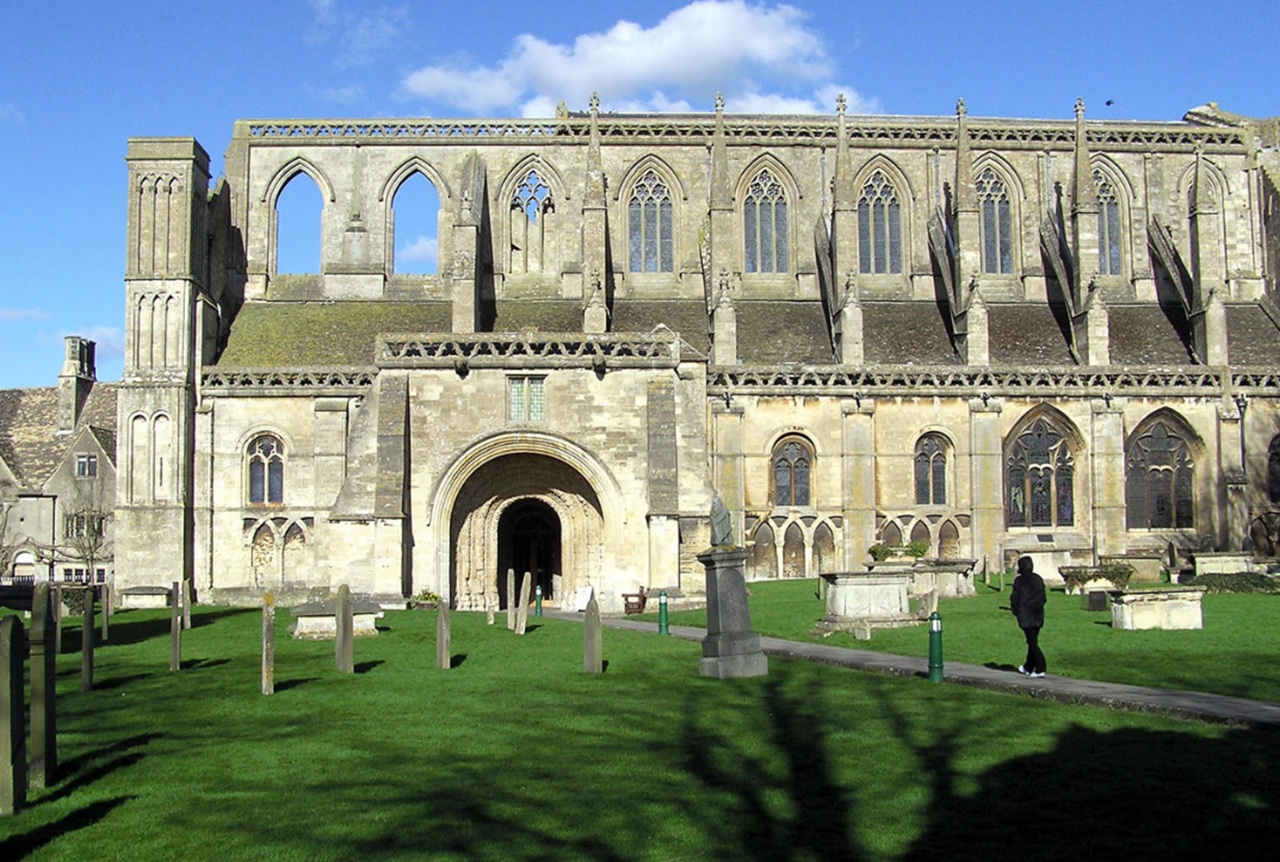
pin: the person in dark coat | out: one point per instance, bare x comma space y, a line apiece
1027, 603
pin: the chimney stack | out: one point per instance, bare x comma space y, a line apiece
78, 376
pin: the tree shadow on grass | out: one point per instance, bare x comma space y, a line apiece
125, 631
366, 666
287, 684
19, 846
457, 659
89, 777
79, 762
204, 663
118, 681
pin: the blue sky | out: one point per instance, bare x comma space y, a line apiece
79, 78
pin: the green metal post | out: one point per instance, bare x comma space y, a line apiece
662, 614
537, 605
935, 647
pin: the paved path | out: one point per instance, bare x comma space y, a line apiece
1179, 704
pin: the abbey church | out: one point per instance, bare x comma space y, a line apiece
993, 337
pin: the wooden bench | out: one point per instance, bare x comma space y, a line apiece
633, 603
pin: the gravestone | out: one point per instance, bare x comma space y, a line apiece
13, 729
269, 644
86, 643
522, 612
730, 649
175, 629
511, 593
186, 604
106, 612
488, 609
57, 619
443, 636
44, 701
343, 648
592, 646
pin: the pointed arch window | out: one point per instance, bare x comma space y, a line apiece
531, 202
879, 227
266, 470
1273, 470
995, 224
414, 231
931, 471
1159, 479
1039, 478
650, 231
764, 220
1108, 226
792, 467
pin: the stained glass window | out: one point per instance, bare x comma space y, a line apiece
931, 471
1108, 226
879, 227
792, 461
764, 219
1039, 479
996, 239
1158, 481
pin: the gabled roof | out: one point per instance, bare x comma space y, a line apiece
29, 440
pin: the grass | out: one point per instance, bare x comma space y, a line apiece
516, 754
1236, 653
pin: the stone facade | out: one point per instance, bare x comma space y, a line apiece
991, 336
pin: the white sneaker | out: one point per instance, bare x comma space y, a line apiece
1037, 675
1022, 669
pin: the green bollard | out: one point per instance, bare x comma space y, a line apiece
935, 647
537, 601
662, 614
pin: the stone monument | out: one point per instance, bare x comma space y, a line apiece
44, 692
13, 728
731, 648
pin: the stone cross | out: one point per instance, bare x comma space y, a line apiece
443, 636
268, 644
13, 728
44, 701
343, 649
175, 627
86, 643
522, 611
592, 646
511, 596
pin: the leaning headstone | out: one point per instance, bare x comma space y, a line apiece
86, 643
186, 604
731, 648
175, 628
443, 655
592, 646
268, 644
13, 729
511, 595
343, 648
522, 611
44, 701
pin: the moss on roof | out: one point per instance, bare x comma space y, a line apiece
906, 333
301, 334
772, 332
1252, 339
687, 317
1028, 333
1148, 335
544, 315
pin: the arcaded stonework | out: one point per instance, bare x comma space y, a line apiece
991, 336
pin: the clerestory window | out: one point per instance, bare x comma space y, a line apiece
764, 220
1108, 226
996, 231
650, 231
879, 227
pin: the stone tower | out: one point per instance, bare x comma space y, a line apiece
166, 276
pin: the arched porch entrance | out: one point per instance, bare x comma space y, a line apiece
527, 512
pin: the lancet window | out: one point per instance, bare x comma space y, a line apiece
931, 471
1159, 479
764, 219
879, 227
530, 203
792, 466
266, 470
1108, 226
650, 230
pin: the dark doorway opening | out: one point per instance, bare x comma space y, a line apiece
528, 541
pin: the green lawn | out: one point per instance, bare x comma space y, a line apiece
516, 754
1236, 653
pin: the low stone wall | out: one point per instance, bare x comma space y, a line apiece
1170, 608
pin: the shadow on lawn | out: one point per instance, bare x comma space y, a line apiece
19, 846
126, 631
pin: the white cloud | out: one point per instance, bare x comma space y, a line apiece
10, 114
356, 37
761, 57
421, 249
12, 314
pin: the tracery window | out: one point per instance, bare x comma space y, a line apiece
650, 232
996, 238
1108, 226
879, 227
1039, 478
764, 219
931, 471
792, 465
530, 203
266, 470
1273, 470
1159, 479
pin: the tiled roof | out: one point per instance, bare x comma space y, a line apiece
772, 332
1252, 338
688, 317
544, 315
1028, 334
1147, 335
29, 440
310, 334
906, 333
